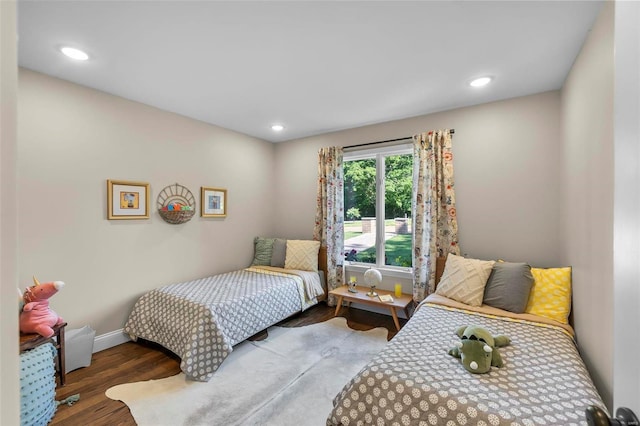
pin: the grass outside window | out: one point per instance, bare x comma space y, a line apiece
397, 252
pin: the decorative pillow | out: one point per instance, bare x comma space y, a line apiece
551, 294
302, 255
464, 279
279, 252
263, 251
508, 286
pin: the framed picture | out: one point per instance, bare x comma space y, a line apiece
127, 200
213, 202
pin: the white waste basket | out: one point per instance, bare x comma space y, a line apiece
78, 348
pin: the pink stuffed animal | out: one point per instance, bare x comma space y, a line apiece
36, 316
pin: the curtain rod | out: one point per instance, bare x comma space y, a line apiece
452, 131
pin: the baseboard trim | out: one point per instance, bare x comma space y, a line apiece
109, 340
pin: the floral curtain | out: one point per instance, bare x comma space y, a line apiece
435, 227
329, 226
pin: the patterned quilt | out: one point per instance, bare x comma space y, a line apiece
201, 320
413, 381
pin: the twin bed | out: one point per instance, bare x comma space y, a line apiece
412, 381
201, 320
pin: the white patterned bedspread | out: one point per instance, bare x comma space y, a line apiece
413, 381
201, 320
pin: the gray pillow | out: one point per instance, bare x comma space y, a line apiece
263, 251
508, 286
279, 253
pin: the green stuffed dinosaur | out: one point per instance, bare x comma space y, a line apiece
478, 349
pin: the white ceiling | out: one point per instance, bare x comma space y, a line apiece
315, 67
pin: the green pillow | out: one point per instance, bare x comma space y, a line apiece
263, 250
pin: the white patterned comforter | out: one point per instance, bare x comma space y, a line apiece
201, 320
413, 381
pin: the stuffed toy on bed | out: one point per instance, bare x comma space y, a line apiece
478, 349
36, 315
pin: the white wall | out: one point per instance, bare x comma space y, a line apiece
626, 230
71, 140
9, 371
587, 194
506, 175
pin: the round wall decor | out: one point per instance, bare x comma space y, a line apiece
176, 204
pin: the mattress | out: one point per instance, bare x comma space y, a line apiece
414, 381
201, 320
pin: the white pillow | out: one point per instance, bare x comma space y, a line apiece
464, 279
302, 255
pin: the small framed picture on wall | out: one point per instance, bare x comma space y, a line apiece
127, 200
213, 202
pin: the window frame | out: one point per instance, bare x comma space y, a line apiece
379, 154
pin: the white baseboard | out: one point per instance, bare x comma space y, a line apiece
109, 340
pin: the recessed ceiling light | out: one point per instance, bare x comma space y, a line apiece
277, 127
479, 82
73, 53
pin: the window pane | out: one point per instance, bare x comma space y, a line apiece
360, 210
397, 204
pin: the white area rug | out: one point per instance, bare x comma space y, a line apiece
290, 378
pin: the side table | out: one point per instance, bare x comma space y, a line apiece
30, 341
402, 302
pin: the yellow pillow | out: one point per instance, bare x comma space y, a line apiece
550, 295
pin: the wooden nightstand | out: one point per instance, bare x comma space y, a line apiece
30, 341
402, 302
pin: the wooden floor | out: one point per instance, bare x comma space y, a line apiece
132, 362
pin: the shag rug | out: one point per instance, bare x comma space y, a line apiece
290, 378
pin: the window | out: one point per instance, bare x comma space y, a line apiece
377, 204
